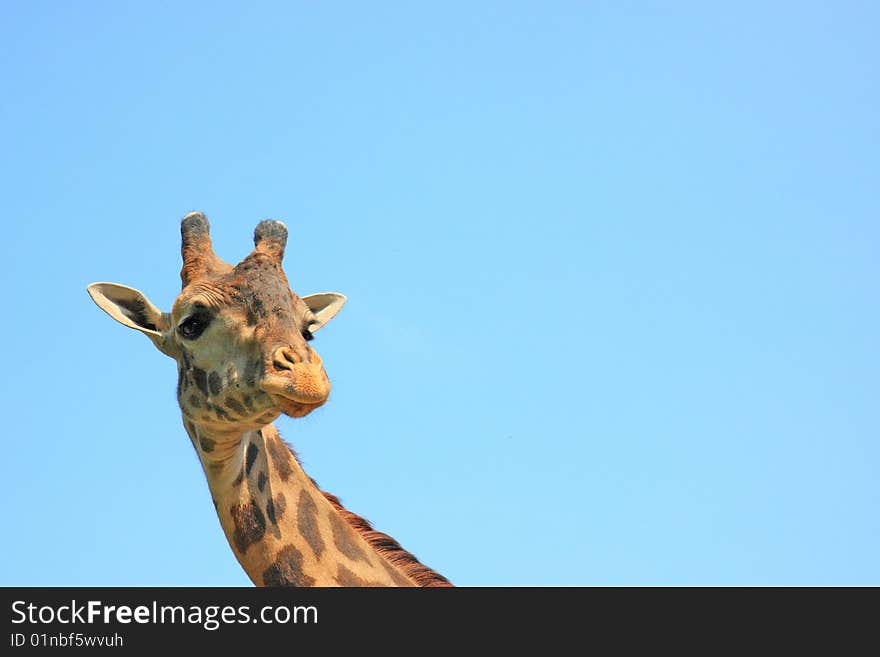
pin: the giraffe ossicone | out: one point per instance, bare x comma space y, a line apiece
241, 339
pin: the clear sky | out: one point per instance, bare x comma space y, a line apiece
615, 262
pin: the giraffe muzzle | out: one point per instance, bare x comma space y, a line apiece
297, 386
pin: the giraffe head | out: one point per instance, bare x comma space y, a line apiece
239, 334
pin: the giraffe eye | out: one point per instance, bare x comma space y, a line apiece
193, 326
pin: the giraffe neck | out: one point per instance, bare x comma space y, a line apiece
281, 527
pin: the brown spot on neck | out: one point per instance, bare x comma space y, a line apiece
280, 454
344, 539
345, 577
250, 457
249, 525
287, 569
307, 522
275, 508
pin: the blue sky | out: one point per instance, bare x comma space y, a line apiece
616, 262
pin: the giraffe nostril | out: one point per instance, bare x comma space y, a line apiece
285, 358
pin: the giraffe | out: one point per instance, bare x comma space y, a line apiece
240, 337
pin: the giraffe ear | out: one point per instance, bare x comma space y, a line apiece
132, 309
324, 307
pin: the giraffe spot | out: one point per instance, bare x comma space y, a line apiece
261, 480
235, 405
183, 369
215, 383
221, 414
201, 379
238, 478
307, 522
207, 444
249, 525
231, 375
252, 452
344, 577
194, 401
270, 511
252, 371
345, 539
275, 508
248, 402
287, 569
206, 418
281, 457
395, 575
180, 384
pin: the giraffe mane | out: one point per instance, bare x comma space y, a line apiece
388, 547
384, 544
